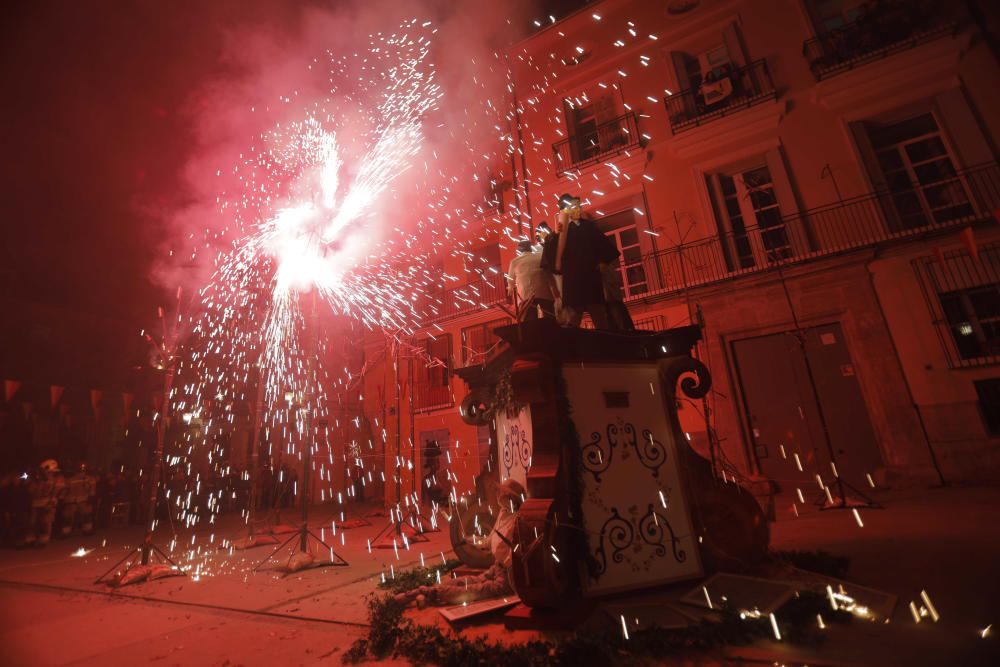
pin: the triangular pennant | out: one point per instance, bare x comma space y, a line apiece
10, 388
970, 243
56, 392
95, 402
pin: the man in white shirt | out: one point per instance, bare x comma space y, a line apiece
536, 287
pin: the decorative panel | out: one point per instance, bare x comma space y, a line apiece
635, 512
514, 436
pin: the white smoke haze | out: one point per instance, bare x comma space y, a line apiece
276, 74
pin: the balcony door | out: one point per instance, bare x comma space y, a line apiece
913, 161
590, 132
748, 203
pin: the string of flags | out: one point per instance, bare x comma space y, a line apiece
56, 392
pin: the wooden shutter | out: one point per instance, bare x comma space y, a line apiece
962, 129
734, 44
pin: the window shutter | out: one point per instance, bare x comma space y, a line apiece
787, 201
734, 44
887, 211
680, 60
961, 127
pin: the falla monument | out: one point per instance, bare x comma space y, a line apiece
617, 499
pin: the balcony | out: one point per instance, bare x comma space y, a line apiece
428, 397
472, 297
963, 198
606, 140
720, 96
887, 28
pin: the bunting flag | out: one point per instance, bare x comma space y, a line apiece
95, 402
55, 393
970, 243
10, 388
127, 400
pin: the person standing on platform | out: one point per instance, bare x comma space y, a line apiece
536, 287
580, 253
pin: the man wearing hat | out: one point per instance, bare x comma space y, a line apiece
536, 287
579, 252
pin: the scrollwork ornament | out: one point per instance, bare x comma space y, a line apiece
617, 534
654, 529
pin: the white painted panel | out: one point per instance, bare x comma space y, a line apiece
635, 511
514, 436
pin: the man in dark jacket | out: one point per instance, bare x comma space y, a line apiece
579, 252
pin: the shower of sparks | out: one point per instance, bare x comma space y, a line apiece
317, 235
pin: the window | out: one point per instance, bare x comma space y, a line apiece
835, 14
633, 275
592, 127
621, 229
432, 374
749, 204
988, 392
478, 341
973, 316
484, 262
919, 172
963, 295
438, 364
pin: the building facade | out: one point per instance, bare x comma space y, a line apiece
814, 182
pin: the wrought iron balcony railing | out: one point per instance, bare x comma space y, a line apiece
888, 27
428, 396
962, 198
468, 298
607, 139
719, 95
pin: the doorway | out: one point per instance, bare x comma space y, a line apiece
781, 411
435, 484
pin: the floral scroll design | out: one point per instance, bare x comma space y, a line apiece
598, 453
516, 448
636, 541
617, 535
654, 528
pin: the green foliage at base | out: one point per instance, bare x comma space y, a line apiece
419, 576
393, 635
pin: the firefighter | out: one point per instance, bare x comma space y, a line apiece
45, 490
78, 502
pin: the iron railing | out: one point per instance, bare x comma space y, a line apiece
888, 27
427, 396
471, 297
847, 225
720, 95
607, 139
961, 293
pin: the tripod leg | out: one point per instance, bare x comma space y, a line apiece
129, 555
336, 558
293, 536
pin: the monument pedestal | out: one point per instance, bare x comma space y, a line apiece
617, 500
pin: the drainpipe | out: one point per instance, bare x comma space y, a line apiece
906, 380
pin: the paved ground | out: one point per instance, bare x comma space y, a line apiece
944, 541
